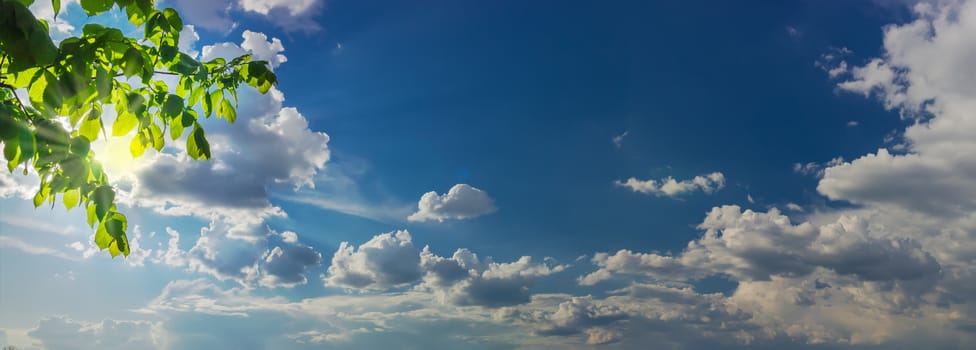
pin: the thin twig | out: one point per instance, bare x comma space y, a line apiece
19, 102
154, 72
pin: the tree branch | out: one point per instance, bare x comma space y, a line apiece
154, 72
19, 102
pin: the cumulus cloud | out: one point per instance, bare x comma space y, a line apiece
464, 279
213, 15
748, 245
387, 260
218, 16
264, 7
290, 15
461, 202
59, 27
255, 43
391, 260
18, 186
936, 173
669, 187
287, 266
188, 40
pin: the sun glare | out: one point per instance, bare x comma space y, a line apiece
115, 157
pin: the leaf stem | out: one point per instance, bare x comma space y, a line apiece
19, 102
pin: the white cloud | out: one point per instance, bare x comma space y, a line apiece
464, 279
219, 16
258, 44
58, 333
289, 237
926, 70
461, 202
814, 168
255, 43
387, 260
670, 187
264, 7
59, 28
618, 140
173, 255
793, 207
290, 15
17, 185
212, 15
188, 40
748, 245
391, 260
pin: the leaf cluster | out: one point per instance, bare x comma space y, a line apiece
70, 84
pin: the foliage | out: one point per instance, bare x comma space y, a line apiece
70, 84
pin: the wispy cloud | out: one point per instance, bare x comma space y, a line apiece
669, 187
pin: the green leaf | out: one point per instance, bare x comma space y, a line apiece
10, 122
259, 75
53, 93
195, 95
70, 198
103, 84
90, 211
76, 169
94, 7
91, 125
104, 197
184, 86
45, 93
132, 62
102, 238
124, 123
28, 144
22, 79
228, 111
138, 10
115, 227
173, 18
155, 26
11, 150
176, 127
173, 106
156, 137
168, 52
56, 4
80, 146
41, 194
23, 38
240, 59
138, 145
196, 144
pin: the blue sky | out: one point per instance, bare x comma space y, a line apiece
534, 175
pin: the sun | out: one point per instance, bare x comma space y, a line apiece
115, 158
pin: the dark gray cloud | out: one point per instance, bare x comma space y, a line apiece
287, 266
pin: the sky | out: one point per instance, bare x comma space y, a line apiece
535, 175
